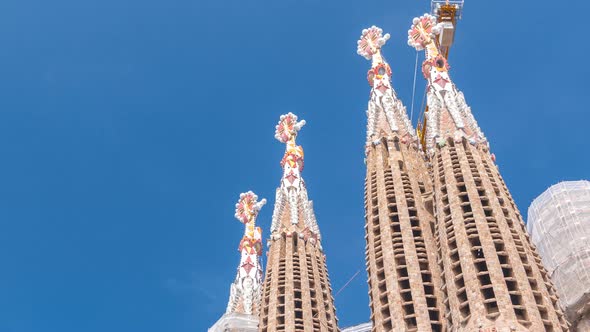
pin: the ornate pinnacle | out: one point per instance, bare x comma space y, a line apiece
369, 46
248, 207
286, 132
245, 291
288, 127
371, 41
442, 94
247, 210
424, 29
421, 36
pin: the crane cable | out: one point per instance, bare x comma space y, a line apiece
414, 88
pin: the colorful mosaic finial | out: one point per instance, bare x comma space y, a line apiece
423, 31
246, 289
371, 41
386, 113
288, 127
286, 132
247, 210
292, 191
442, 96
248, 207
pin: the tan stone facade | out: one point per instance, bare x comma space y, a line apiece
447, 249
493, 275
297, 295
453, 214
404, 277
493, 278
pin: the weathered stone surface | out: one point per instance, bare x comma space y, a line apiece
405, 286
493, 276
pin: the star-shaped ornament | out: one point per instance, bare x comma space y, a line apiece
441, 81
382, 87
291, 177
248, 265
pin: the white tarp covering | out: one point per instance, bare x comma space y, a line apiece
559, 224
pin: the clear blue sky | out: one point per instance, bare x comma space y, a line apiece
128, 129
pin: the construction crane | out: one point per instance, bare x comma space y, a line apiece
447, 12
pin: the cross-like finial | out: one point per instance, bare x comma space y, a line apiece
248, 207
371, 41
287, 128
247, 210
286, 132
423, 31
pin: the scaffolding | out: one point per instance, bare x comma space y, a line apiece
559, 224
366, 327
447, 13
235, 322
436, 5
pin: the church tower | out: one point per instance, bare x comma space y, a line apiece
493, 276
245, 292
404, 278
297, 295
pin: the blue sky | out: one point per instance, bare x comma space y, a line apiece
128, 129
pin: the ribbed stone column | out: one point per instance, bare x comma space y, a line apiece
297, 295
404, 278
494, 278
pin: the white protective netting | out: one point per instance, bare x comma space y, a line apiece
235, 322
559, 225
366, 327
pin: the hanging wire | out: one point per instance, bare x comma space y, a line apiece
348, 282
422, 105
340, 290
414, 88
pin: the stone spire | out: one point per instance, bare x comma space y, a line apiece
493, 277
404, 277
243, 306
297, 295
448, 114
292, 193
385, 114
246, 289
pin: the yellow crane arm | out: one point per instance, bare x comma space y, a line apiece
446, 13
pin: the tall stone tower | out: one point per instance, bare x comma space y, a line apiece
404, 277
297, 295
493, 276
245, 293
